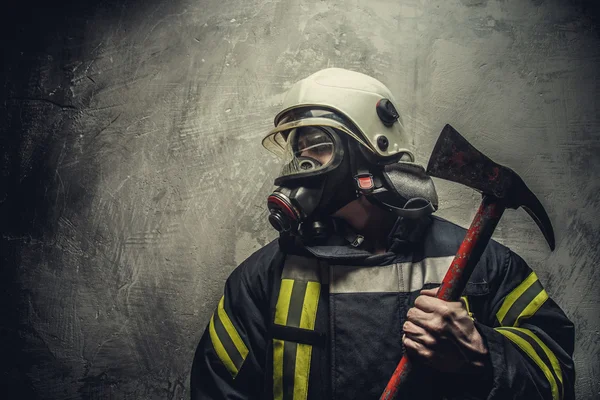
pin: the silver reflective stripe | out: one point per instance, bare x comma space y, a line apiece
304, 269
401, 277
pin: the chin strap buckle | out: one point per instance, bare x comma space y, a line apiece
358, 240
364, 182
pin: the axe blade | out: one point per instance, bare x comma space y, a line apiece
455, 159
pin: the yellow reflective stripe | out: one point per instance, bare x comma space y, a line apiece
309, 308
277, 369
549, 354
514, 295
465, 301
529, 350
283, 302
532, 307
220, 349
303, 357
233, 333
281, 315
304, 352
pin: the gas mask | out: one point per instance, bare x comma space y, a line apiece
323, 172
314, 182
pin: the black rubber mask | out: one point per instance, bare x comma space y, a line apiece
314, 184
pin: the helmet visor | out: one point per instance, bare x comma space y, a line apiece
276, 140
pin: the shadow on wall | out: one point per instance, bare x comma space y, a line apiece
40, 41
43, 42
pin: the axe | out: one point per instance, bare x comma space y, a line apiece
455, 159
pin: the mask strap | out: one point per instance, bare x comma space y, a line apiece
414, 208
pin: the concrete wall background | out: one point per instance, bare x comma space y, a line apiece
133, 180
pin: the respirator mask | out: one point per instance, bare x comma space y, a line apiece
314, 181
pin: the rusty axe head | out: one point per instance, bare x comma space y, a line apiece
455, 159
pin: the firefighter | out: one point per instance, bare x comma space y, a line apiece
328, 309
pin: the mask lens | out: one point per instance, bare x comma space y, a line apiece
314, 143
308, 149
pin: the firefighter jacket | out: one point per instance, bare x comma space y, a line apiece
325, 322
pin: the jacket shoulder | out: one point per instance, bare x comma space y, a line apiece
444, 238
255, 271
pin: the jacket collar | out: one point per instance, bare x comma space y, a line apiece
403, 237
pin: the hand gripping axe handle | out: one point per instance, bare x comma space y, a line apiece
455, 159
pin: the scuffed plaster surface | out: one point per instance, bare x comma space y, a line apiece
154, 182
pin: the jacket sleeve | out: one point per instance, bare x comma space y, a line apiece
228, 363
530, 339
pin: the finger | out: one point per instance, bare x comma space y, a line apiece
430, 292
417, 351
410, 327
434, 323
430, 304
418, 334
419, 317
435, 305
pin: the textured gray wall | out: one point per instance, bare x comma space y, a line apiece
134, 180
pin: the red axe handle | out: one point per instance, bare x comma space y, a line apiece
488, 215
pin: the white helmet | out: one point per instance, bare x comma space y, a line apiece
363, 108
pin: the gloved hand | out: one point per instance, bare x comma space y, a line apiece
443, 336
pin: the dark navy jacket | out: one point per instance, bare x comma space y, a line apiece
327, 323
